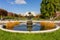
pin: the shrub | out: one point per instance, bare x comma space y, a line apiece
47, 25
16, 23
10, 25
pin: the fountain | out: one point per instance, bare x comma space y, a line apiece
29, 26
29, 22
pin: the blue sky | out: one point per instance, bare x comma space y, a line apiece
21, 6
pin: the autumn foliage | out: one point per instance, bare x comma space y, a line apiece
10, 25
3, 12
47, 25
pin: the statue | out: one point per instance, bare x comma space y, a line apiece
29, 22
30, 16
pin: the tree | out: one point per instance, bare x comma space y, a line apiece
15, 15
49, 8
10, 14
3, 12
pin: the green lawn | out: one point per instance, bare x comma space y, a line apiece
41, 36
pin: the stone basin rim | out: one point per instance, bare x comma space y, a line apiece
41, 31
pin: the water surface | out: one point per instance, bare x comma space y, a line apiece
23, 27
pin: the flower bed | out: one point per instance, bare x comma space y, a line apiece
47, 25
10, 25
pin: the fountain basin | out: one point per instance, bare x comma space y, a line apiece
22, 28
41, 31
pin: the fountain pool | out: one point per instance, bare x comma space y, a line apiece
23, 27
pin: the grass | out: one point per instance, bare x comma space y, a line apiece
20, 36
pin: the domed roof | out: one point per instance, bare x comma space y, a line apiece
27, 14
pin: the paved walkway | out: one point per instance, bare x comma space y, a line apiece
23, 21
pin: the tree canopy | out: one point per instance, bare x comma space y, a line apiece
3, 12
49, 8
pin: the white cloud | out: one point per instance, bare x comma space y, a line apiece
18, 2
